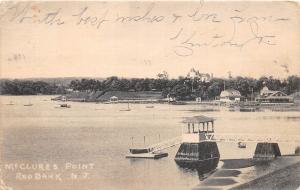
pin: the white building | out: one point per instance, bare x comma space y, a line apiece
271, 96
114, 99
230, 96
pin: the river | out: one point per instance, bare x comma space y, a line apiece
85, 145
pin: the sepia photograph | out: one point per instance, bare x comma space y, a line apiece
150, 95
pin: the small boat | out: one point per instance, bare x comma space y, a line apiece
145, 153
29, 104
149, 106
64, 106
242, 145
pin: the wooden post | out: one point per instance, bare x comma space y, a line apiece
193, 127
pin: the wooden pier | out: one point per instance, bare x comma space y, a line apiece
200, 139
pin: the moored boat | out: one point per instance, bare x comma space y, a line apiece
242, 145
145, 153
64, 106
29, 104
149, 106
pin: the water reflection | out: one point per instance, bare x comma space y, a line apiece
202, 174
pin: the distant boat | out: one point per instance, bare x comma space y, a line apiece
128, 108
149, 106
29, 104
242, 145
64, 106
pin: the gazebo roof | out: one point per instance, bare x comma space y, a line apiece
198, 119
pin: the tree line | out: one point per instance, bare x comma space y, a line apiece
183, 88
187, 88
29, 87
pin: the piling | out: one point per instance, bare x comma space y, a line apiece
266, 151
297, 150
198, 150
202, 156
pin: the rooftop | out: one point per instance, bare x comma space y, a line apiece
230, 93
198, 119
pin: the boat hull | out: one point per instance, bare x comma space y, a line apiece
148, 155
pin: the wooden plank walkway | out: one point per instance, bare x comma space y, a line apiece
230, 137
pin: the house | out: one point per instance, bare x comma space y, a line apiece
203, 77
113, 99
170, 98
64, 98
271, 96
198, 99
230, 96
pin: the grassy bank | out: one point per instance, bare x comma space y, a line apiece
285, 178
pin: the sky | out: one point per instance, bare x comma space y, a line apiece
142, 39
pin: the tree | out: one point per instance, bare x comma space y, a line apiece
164, 75
214, 90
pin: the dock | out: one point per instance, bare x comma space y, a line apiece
148, 155
154, 151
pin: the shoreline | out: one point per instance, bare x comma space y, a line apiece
239, 174
284, 178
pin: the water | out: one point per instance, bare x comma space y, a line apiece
100, 135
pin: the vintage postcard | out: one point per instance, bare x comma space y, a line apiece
183, 95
